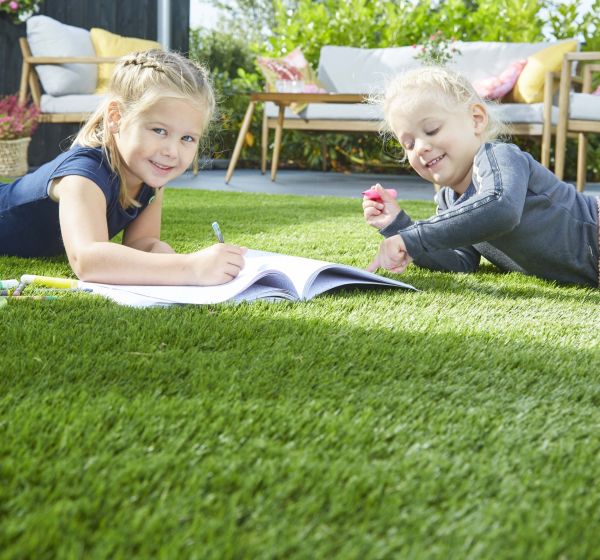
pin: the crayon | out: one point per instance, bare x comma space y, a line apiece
8, 284
39, 298
19, 289
372, 194
50, 282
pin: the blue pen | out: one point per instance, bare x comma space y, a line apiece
217, 230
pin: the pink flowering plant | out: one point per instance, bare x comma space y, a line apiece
19, 10
437, 50
17, 121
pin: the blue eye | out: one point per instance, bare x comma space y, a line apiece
188, 138
160, 131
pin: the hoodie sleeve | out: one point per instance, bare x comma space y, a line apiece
500, 177
463, 259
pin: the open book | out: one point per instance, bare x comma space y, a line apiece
266, 276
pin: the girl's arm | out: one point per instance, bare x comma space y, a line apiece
501, 177
463, 259
82, 213
144, 232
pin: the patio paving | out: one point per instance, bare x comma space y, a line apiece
313, 183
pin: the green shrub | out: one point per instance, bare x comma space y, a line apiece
233, 72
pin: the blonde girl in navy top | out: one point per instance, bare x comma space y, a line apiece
145, 134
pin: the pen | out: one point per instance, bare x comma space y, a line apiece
49, 281
217, 230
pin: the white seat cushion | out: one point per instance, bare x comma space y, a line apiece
508, 113
48, 37
521, 112
330, 111
71, 103
584, 106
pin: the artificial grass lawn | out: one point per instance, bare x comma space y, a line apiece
461, 421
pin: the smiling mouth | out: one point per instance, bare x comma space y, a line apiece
161, 167
435, 161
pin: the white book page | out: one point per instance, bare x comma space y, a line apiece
137, 295
271, 276
312, 277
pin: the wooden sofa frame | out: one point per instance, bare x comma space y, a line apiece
543, 130
30, 82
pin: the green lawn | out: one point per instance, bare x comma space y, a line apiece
461, 421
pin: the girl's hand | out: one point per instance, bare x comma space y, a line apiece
217, 264
381, 211
392, 256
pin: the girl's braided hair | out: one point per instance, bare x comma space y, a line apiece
139, 80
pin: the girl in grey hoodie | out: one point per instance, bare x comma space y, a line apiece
496, 201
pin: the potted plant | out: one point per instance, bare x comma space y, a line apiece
19, 10
17, 123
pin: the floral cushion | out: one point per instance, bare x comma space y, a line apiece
291, 73
497, 87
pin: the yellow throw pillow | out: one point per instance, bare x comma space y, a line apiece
530, 85
110, 44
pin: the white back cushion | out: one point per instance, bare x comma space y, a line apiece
355, 70
48, 37
483, 59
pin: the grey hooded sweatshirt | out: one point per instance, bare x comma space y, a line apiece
516, 214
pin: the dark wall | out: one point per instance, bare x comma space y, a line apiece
133, 18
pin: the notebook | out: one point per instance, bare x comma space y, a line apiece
266, 276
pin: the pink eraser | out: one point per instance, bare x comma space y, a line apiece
372, 194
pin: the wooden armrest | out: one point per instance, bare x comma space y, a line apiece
582, 56
70, 59
288, 98
566, 77
588, 70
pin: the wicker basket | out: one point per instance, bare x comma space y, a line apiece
13, 157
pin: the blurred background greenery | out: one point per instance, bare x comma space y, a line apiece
250, 28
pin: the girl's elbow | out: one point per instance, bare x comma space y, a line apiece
508, 218
83, 264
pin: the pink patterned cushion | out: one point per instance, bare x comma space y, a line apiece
292, 67
498, 86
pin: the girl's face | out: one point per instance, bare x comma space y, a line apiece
158, 144
440, 144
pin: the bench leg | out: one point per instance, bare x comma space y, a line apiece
264, 142
277, 145
323, 153
547, 123
240, 140
581, 161
546, 145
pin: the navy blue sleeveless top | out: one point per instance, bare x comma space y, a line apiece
29, 224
